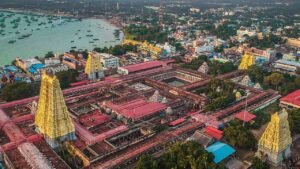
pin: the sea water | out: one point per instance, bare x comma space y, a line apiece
28, 35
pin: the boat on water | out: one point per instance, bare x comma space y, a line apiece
12, 41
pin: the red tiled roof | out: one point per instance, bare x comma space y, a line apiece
176, 122
143, 66
79, 83
93, 119
137, 109
292, 98
213, 132
169, 61
245, 116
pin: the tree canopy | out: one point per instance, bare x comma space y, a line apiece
117, 50
259, 164
20, 90
188, 155
67, 77
215, 68
238, 135
219, 92
294, 120
143, 33
49, 55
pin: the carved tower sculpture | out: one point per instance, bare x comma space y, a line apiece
52, 118
93, 67
276, 140
247, 61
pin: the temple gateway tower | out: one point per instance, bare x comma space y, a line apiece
94, 68
275, 143
247, 61
52, 118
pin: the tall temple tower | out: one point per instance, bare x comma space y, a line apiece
247, 61
276, 140
93, 67
52, 118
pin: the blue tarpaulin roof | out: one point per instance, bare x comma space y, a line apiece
220, 151
38, 66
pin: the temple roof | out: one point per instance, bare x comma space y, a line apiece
292, 98
245, 116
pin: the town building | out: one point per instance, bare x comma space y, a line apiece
291, 101
31, 66
293, 42
196, 10
55, 68
246, 31
221, 151
286, 66
108, 61
73, 62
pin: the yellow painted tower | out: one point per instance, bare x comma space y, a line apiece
93, 67
247, 61
276, 140
52, 118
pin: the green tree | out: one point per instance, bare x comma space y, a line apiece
294, 119
20, 90
146, 162
258, 164
49, 55
256, 74
181, 155
238, 135
275, 79
67, 77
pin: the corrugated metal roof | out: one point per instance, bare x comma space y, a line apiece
221, 151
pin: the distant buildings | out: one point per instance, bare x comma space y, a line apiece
72, 61
261, 56
286, 66
246, 31
291, 101
31, 66
108, 61
293, 42
196, 10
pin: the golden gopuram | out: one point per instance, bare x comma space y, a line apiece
52, 118
247, 61
275, 143
93, 67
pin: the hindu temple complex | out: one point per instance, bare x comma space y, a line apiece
110, 123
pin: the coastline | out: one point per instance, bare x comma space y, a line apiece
33, 12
